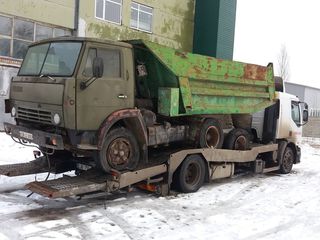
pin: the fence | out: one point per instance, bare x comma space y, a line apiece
314, 112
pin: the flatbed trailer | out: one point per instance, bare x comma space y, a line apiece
218, 163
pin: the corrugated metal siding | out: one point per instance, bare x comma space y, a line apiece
294, 89
226, 29
214, 28
312, 97
206, 27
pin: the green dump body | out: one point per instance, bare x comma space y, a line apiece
188, 84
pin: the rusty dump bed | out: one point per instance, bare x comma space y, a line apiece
187, 84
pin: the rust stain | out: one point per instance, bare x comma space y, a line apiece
197, 69
255, 72
181, 54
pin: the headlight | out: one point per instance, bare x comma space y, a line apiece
56, 119
13, 111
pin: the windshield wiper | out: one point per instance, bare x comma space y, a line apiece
48, 76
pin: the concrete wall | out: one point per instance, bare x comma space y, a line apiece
55, 12
312, 128
173, 22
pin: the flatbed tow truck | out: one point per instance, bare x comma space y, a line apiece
116, 112
220, 163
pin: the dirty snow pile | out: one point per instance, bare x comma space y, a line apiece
244, 207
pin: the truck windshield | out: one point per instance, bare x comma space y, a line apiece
53, 59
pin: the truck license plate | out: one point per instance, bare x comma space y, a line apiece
26, 135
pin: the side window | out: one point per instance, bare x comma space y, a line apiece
295, 112
112, 62
88, 67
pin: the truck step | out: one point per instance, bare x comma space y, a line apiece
271, 169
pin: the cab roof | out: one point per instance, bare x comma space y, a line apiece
83, 39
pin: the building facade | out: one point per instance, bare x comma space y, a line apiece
167, 22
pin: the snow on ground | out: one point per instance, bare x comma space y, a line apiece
244, 207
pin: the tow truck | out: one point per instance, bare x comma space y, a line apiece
277, 133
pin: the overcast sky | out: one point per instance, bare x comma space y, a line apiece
263, 26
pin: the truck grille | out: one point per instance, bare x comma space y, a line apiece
34, 115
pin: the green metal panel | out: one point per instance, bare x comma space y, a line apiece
226, 29
214, 28
168, 101
207, 85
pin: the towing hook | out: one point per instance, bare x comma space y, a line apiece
36, 153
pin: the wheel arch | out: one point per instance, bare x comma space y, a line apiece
282, 144
294, 149
128, 118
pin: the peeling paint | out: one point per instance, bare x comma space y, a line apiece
172, 23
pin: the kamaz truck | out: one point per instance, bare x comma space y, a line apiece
136, 110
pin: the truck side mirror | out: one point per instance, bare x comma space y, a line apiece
97, 67
305, 116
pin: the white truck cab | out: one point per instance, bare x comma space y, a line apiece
290, 128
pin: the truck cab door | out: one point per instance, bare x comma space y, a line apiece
105, 95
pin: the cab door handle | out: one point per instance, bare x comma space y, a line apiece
122, 96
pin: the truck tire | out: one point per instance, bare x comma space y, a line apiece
287, 161
211, 134
190, 175
120, 151
237, 139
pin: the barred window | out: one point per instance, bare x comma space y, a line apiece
141, 17
16, 34
109, 10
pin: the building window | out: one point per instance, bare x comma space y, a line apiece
141, 17
109, 10
16, 34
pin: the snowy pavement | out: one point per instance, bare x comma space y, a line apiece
244, 207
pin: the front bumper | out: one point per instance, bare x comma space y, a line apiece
41, 138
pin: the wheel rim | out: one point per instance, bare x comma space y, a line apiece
240, 143
287, 160
212, 136
119, 152
192, 175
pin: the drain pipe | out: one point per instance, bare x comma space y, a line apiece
76, 17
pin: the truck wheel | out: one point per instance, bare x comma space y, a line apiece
120, 151
211, 134
237, 139
190, 175
287, 161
